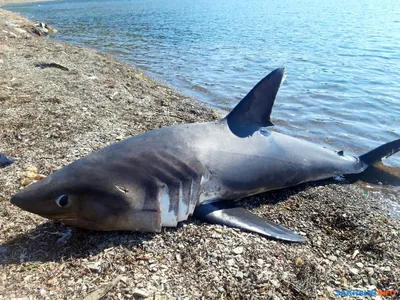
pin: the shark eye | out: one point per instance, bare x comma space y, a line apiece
62, 200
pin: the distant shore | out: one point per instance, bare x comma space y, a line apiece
51, 116
5, 2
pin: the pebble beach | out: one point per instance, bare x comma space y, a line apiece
52, 116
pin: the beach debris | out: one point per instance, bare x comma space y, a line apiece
95, 267
43, 29
332, 258
355, 254
101, 292
138, 293
40, 31
20, 31
353, 271
30, 176
51, 65
46, 26
6, 161
65, 236
11, 24
238, 250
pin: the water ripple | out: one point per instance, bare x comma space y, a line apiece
342, 57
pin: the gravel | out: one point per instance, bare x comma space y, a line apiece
50, 117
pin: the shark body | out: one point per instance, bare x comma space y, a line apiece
161, 177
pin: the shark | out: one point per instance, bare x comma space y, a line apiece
161, 177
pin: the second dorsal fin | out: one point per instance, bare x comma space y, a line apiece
254, 110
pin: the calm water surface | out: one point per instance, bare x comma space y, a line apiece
342, 57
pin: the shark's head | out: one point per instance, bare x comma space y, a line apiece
91, 195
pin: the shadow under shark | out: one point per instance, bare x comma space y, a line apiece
163, 176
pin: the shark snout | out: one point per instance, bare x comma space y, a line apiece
26, 202
17, 201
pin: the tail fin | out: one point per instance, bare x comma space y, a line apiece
381, 152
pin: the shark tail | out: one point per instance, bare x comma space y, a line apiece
380, 153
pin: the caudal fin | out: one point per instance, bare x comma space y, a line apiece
380, 153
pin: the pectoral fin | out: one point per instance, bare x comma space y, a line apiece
229, 214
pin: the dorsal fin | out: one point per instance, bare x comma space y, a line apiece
254, 110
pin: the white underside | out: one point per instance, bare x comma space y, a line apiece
186, 207
183, 207
168, 217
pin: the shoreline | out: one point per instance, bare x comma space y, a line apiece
7, 2
51, 117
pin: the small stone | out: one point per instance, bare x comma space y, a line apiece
122, 269
43, 292
140, 293
239, 274
386, 269
355, 254
373, 282
95, 267
285, 275
124, 279
52, 281
261, 290
20, 30
231, 262
26, 181
275, 283
332, 258
327, 262
299, 261
321, 269
238, 250
353, 271
343, 282
370, 271
360, 265
330, 290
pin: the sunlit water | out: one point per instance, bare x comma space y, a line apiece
342, 57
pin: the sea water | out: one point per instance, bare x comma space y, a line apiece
342, 57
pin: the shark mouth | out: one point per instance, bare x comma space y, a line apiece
81, 223
74, 221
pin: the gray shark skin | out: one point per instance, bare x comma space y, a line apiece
161, 177
6, 161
